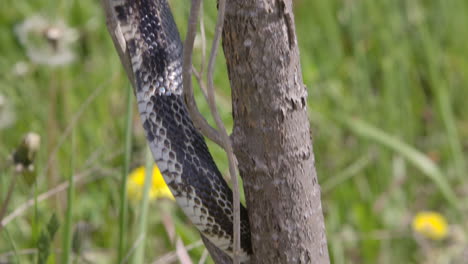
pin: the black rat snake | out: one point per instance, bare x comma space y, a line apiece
155, 50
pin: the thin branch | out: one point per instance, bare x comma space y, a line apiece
203, 40
198, 119
201, 84
222, 129
203, 257
182, 253
172, 256
221, 133
219, 256
225, 142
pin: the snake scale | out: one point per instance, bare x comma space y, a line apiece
179, 150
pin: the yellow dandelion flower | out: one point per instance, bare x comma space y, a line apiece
431, 225
136, 183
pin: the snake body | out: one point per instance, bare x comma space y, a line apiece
179, 150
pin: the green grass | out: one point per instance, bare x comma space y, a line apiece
68, 229
387, 101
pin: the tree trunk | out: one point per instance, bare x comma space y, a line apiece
271, 135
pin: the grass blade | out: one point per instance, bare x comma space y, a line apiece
12, 244
123, 188
67, 234
415, 157
141, 237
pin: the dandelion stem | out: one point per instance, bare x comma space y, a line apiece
12, 244
140, 250
4, 205
123, 187
67, 235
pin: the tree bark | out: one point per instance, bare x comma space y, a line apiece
271, 135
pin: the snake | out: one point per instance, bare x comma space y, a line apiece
179, 150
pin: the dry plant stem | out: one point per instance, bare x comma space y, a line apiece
182, 253
198, 119
74, 121
220, 138
5, 203
222, 129
198, 76
217, 254
203, 40
50, 193
203, 257
202, 84
136, 244
119, 43
19, 210
21, 252
172, 256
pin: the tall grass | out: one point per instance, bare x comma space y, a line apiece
144, 206
387, 86
68, 229
123, 184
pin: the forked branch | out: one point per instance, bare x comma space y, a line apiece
221, 132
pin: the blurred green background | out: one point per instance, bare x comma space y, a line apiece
387, 102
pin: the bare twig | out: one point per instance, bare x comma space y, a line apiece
203, 40
219, 96
200, 122
219, 256
225, 142
182, 253
198, 119
172, 256
203, 257
222, 130
201, 84
221, 133
168, 224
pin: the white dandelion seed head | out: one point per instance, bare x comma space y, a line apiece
47, 42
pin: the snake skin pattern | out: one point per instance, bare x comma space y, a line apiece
179, 150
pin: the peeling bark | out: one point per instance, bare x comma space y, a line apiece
271, 135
